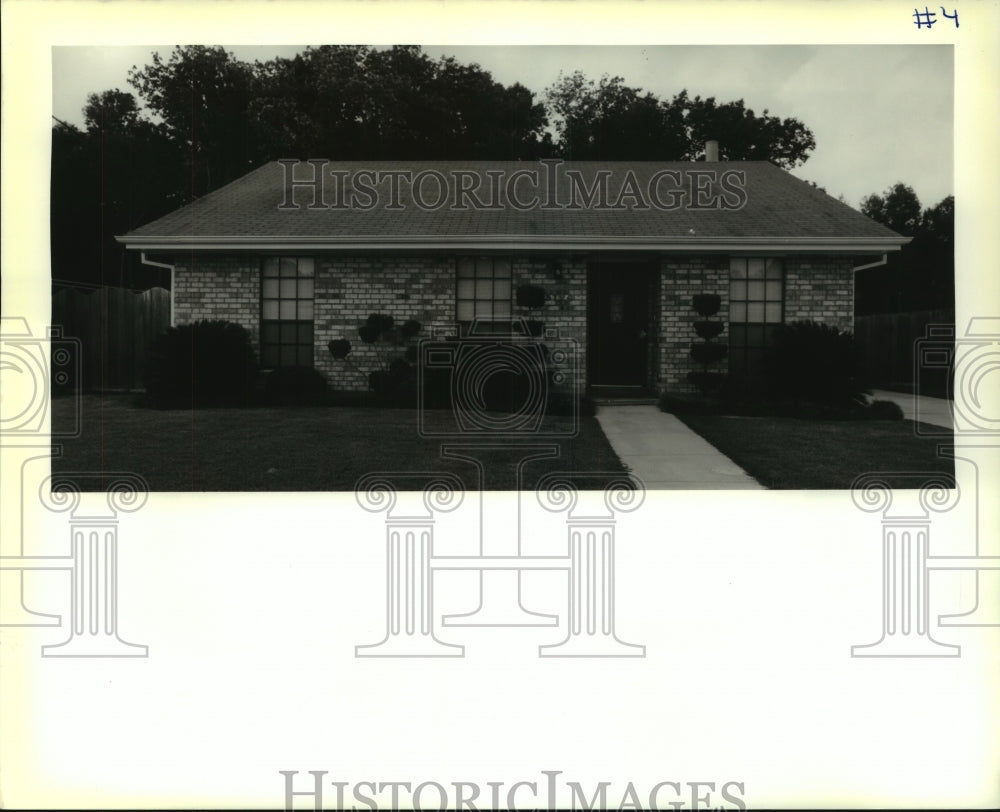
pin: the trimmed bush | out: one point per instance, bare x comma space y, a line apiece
708, 330
883, 410
816, 362
207, 363
530, 296
708, 353
339, 348
706, 304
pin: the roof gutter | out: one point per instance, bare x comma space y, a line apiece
507, 242
145, 261
876, 264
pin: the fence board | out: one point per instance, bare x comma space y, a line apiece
889, 341
116, 328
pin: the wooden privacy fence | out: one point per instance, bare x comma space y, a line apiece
116, 328
889, 344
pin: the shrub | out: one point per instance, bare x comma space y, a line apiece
530, 296
394, 379
816, 362
706, 304
207, 363
709, 329
708, 352
295, 386
339, 348
687, 403
883, 410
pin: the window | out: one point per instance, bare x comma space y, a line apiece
484, 289
286, 303
756, 308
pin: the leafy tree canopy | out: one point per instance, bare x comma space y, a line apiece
200, 118
921, 276
608, 120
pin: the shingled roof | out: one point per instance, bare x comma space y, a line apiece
775, 211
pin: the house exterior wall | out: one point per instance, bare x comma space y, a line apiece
348, 289
820, 288
817, 288
681, 278
224, 287
423, 287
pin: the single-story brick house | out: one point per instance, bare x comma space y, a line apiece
301, 252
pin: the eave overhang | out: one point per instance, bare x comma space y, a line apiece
685, 244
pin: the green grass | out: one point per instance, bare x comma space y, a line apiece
293, 449
787, 452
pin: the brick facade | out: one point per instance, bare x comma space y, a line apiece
422, 287
680, 279
224, 287
820, 288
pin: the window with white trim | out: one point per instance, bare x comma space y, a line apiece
756, 308
286, 304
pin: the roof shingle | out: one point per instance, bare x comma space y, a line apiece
775, 207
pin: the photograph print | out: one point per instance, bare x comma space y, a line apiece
708, 267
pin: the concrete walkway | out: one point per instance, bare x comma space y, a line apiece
665, 454
936, 411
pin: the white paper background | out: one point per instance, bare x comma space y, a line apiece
252, 604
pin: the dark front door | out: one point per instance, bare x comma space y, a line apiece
618, 325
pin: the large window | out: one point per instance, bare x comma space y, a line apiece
756, 308
286, 303
484, 289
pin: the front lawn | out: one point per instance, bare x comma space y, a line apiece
788, 452
323, 448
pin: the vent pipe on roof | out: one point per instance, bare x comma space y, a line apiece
711, 151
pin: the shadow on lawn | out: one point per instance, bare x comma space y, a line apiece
325, 448
795, 453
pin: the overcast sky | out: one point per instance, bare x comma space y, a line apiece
879, 113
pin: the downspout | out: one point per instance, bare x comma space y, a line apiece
142, 257
877, 264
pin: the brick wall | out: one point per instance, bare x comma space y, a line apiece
680, 279
348, 289
564, 280
226, 288
423, 287
820, 288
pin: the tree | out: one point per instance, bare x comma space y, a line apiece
608, 120
743, 135
116, 175
355, 102
921, 276
203, 94
897, 207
